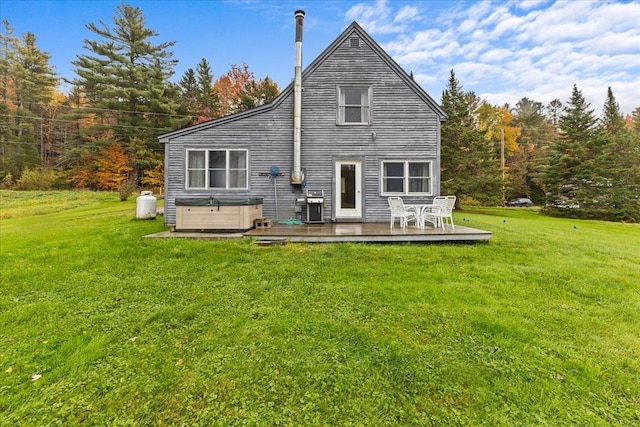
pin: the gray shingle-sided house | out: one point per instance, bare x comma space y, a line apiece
353, 125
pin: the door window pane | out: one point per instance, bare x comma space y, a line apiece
348, 186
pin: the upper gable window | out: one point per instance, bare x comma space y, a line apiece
354, 105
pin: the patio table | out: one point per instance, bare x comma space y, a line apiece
422, 211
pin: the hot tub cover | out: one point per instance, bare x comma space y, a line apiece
218, 201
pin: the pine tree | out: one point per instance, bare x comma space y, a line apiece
636, 120
469, 166
208, 98
453, 101
125, 77
568, 174
27, 87
616, 167
188, 87
533, 141
612, 120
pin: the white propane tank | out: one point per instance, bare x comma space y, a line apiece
146, 205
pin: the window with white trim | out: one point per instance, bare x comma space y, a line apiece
217, 169
354, 105
403, 177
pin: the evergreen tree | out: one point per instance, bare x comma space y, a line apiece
453, 102
533, 141
616, 167
636, 120
469, 166
612, 120
188, 87
554, 109
27, 87
257, 93
568, 174
208, 99
125, 77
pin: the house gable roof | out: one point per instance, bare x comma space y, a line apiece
352, 29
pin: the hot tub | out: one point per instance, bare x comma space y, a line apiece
217, 213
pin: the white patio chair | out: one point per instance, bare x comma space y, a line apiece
441, 211
431, 213
399, 210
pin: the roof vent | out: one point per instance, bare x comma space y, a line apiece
354, 42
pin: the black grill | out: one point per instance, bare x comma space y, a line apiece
315, 204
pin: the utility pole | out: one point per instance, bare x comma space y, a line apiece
502, 162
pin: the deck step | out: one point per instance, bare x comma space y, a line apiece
271, 242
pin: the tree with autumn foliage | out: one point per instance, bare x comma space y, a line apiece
229, 86
496, 123
113, 168
235, 91
239, 90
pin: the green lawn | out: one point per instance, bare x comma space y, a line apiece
539, 326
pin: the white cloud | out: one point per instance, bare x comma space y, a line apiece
407, 13
378, 17
517, 49
495, 55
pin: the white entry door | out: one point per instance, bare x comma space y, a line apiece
348, 191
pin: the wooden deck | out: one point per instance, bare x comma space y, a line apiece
365, 232
341, 232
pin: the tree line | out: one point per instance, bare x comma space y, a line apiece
102, 134
562, 156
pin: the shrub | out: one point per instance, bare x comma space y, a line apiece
125, 188
7, 181
37, 179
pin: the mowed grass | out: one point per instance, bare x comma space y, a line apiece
539, 326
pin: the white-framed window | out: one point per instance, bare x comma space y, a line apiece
406, 177
217, 169
354, 105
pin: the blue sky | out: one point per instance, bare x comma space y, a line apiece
502, 50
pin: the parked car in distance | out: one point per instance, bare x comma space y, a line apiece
520, 202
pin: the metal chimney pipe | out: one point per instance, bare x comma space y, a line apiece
296, 175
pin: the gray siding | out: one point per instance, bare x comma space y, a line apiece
406, 126
267, 136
